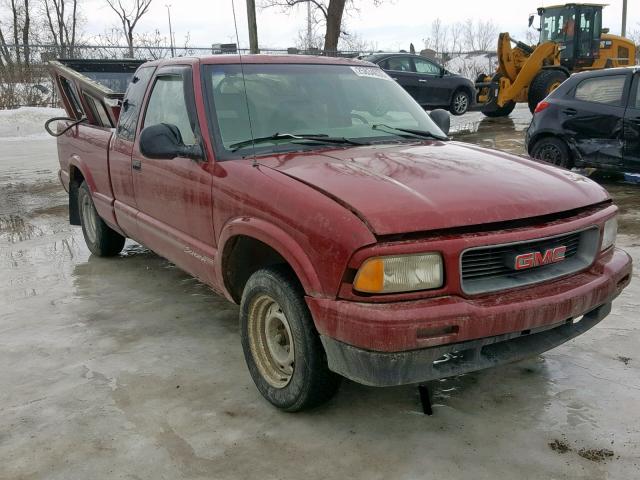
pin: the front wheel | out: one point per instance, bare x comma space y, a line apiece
99, 237
545, 82
552, 150
460, 102
281, 347
493, 110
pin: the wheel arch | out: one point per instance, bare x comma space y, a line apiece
248, 244
77, 175
468, 89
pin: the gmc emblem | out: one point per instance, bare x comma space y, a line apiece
536, 259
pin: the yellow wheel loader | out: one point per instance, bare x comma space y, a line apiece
571, 40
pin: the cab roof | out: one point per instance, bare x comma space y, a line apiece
261, 59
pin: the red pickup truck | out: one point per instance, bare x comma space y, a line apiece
358, 239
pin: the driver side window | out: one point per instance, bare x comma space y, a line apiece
167, 105
423, 66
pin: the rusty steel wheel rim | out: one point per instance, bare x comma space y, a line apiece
271, 341
89, 219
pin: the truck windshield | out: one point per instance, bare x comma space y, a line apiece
286, 102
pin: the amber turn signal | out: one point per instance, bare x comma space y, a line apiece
400, 273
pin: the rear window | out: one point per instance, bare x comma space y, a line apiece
132, 101
607, 90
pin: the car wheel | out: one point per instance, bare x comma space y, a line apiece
545, 82
281, 346
459, 103
99, 237
552, 150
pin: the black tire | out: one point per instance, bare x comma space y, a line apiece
545, 82
101, 239
491, 108
552, 150
305, 383
496, 111
459, 102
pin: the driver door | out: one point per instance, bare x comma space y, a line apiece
174, 196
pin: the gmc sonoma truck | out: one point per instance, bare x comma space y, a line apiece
359, 241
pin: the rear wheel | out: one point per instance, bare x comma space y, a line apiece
552, 150
99, 237
545, 82
459, 102
281, 346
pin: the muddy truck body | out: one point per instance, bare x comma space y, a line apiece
358, 240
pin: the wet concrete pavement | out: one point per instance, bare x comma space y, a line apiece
128, 368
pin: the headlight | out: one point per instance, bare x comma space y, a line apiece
610, 233
400, 273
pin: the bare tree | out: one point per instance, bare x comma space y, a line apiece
129, 16
481, 35
15, 40
330, 13
437, 39
61, 22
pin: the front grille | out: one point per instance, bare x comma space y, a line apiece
492, 268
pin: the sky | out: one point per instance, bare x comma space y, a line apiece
392, 25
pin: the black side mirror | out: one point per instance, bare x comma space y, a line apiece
443, 72
441, 119
531, 18
164, 142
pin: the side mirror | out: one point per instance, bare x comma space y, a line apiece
531, 19
441, 119
164, 142
443, 72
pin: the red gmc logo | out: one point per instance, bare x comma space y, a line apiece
535, 259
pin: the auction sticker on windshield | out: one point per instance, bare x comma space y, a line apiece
372, 72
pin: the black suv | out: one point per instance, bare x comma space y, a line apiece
430, 84
591, 120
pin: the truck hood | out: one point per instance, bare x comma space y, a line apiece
437, 185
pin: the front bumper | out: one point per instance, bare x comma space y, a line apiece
381, 369
397, 342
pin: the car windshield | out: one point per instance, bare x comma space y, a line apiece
285, 103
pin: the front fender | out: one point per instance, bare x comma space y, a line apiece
276, 238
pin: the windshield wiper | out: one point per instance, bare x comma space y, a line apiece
314, 137
408, 131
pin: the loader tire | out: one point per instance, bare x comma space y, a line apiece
495, 111
492, 109
545, 82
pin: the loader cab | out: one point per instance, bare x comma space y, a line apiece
576, 28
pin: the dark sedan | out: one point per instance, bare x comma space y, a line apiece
430, 84
591, 120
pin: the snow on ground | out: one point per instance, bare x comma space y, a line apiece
471, 65
26, 122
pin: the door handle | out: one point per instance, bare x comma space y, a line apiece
136, 164
422, 80
636, 120
569, 111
